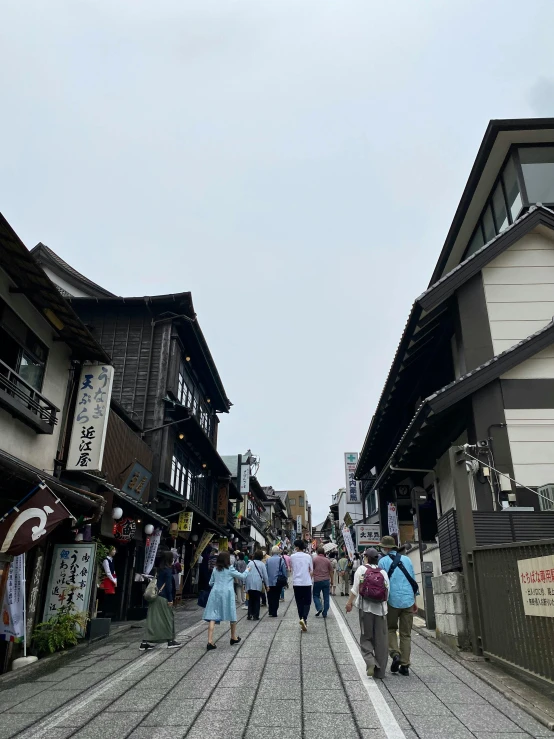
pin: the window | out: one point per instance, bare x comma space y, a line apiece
190, 480
300, 502
499, 209
476, 242
20, 348
537, 164
488, 225
511, 186
190, 395
292, 501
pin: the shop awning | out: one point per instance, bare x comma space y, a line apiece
32, 475
256, 536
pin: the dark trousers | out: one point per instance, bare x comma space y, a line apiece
303, 598
254, 603
273, 594
264, 598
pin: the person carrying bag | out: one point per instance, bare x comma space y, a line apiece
160, 620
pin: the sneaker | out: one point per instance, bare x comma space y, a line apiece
395, 666
318, 614
145, 646
404, 670
173, 644
244, 608
303, 625
369, 671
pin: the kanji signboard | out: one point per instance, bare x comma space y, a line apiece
90, 420
184, 522
352, 485
222, 503
71, 576
368, 534
536, 578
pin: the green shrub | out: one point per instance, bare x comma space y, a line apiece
60, 632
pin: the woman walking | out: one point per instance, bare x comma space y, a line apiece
302, 578
370, 592
221, 603
256, 578
333, 574
160, 620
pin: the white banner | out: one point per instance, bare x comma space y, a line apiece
12, 622
299, 526
151, 550
90, 420
352, 485
72, 573
245, 479
348, 543
392, 519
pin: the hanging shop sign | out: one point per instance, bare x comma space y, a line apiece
12, 624
72, 573
207, 536
352, 485
244, 478
223, 544
299, 526
368, 534
536, 579
392, 519
184, 522
137, 481
90, 420
222, 503
124, 530
348, 543
152, 544
27, 523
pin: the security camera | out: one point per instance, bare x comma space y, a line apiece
484, 444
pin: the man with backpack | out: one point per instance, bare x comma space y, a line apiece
370, 591
403, 589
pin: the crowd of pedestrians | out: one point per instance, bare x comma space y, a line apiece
382, 586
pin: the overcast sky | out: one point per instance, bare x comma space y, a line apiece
294, 163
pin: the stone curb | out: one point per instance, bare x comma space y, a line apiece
536, 713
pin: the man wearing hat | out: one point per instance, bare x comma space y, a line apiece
402, 592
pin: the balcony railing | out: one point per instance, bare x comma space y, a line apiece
23, 401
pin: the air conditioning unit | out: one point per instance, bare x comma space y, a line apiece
546, 497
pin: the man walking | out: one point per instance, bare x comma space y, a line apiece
402, 592
302, 577
323, 571
276, 569
342, 573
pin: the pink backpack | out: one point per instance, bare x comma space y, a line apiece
372, 585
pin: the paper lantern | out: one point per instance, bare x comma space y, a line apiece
149, 529
117, 513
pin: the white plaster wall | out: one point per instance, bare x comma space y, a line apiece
519, 290
17, 438
531, 436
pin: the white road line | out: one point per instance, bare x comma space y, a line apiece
384, 714
35, 732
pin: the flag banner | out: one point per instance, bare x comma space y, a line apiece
12, 624
204, 541
348, 543
38, 516
151, 550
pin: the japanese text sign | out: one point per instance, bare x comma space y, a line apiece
124, 530
222, 504
245, 479
90, 420
392, 518
299, 526
151, 550
184, 522
352, 485
71, 577
368, 534
137, 481
12, 621
536, 578
348, 543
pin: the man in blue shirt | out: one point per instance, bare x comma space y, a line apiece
275, 566
402, 592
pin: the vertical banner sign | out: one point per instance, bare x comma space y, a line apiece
72, 573
348, 543
299, 526
392, 519
90, 421
223, 544
536, 577
222, 503
151, 550
207, 536
184, 522
352, 485
245, 479
12, 623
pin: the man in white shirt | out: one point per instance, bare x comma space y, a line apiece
373, 618
302, 579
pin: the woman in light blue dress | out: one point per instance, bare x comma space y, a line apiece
221, 602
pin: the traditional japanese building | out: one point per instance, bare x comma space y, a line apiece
166, 385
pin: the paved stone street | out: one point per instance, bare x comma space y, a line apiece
278, 683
